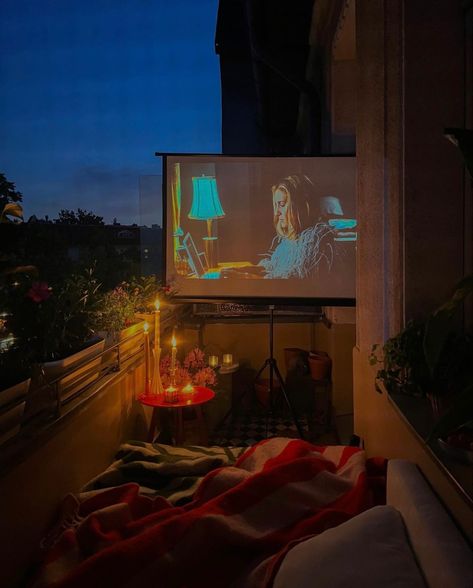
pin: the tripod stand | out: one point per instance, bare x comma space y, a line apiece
274, 371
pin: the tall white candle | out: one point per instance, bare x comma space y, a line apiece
146, 335
156, 324
173, 354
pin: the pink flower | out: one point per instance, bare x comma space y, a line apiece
194, 360
205, 377
193, 369
39, 292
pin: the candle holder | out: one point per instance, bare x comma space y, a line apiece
227, 359
147, 358
157, 384
213, 361
173, 377
171, 394
187, 391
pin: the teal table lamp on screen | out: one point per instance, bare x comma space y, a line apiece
206, 206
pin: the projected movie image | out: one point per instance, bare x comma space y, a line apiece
261, 227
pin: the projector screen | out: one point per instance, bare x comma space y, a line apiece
260, 228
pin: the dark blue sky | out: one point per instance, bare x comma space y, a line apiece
92, 88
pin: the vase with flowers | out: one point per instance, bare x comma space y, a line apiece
192, 370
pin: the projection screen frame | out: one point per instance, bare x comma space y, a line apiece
250, 300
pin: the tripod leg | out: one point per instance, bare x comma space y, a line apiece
286, 398
262, 368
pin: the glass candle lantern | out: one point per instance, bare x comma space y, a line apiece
227, 359
171, 394
213, 361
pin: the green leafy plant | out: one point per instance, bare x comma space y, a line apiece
404, 368
117, 308
433, 358
51, 321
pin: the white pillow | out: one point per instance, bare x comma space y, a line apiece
370, 550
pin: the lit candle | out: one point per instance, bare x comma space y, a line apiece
146, 335
173, 352
227, 359
156, 324
173, 359
213, 361
188, 389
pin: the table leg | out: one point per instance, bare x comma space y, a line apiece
204, 439
179, 426
152, 425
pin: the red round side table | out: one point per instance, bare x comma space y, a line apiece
200, 396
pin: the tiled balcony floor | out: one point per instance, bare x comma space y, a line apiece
248, 429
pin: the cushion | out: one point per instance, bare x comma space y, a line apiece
442, 552
370, 550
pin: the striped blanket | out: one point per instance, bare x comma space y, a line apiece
164, 470
233, 533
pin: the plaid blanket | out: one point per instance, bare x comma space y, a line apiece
164, 470
242, 518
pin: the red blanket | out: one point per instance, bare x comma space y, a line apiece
232, 534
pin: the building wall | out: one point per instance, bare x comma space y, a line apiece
411, 197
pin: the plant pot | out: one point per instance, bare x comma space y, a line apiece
293, 356
12, 408
320, 365
81, 377
263, 392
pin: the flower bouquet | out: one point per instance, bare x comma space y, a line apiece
193, 370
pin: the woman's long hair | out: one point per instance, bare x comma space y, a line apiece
303, 205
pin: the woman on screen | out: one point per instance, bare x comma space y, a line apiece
303, 245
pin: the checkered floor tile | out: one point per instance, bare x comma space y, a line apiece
248, 429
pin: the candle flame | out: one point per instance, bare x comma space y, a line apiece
145, 327
157, 304
173, 341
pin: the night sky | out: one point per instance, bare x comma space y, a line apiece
92, 88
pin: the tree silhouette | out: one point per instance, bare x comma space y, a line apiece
8, 192
79, 217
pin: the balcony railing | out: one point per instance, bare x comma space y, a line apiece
51, 401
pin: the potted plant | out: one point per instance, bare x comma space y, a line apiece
432, 358
146, 290
404, 368
54, 324
320, 365
121, 311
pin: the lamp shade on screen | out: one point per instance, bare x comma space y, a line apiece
206, 206
205, 201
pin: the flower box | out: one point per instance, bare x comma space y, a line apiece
131, 340
12, 407
81, 377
